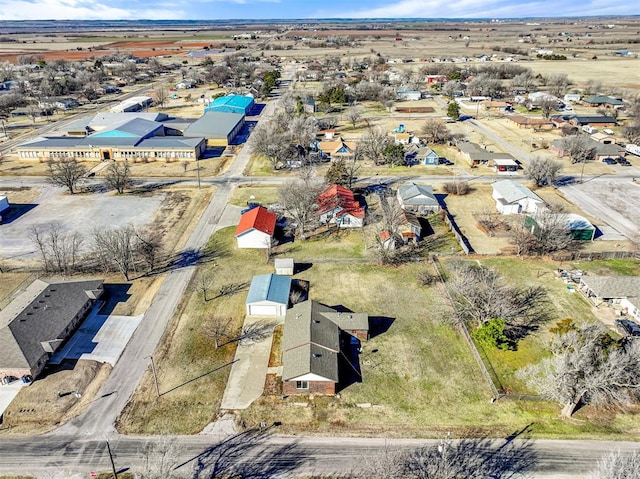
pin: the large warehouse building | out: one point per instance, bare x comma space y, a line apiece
219, 128
232, 104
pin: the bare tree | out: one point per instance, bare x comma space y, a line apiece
60, 251
617, 465
543, 171
353, 114
546, 231
558, 83
299, 199
578, 149
587, 366
547, 105
148, 247
203, 285
449, 89
116, 247
481, 294
525, 80
118, 176
302, 130
67, 172
436, 131
632, 132
373, 145
270, 144
219, 328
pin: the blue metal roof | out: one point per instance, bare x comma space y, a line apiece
269, 287
231, 104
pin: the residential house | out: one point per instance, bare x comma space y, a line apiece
436, 79
572, 97
529, 122
496, 106
39, 320
420, 155
337, 205
593, 120
623, 291
256, 228
268, 295
417, 199
334, 149
185, 84
513, 198
602, 101
409, 231
602, 150
314, 343
506, 166
476, 156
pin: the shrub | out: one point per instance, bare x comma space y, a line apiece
456, 188
491, 334
425, 278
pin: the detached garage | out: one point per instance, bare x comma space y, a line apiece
268, 295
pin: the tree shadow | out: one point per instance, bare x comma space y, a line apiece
200, 376
248, 455
191, 257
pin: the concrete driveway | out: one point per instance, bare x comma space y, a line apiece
100, 338
8, 392
249, 369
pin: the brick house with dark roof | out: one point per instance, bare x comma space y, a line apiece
312, 346
39, 320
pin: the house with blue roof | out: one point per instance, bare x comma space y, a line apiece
231, 104
268, 295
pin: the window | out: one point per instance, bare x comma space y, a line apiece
302, 384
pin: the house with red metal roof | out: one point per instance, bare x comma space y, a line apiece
337, 205
256, 228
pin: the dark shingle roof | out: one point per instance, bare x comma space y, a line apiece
311, 339
34, 323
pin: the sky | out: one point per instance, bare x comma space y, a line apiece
268, 9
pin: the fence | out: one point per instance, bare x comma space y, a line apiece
453, 227
602, 255
488, 372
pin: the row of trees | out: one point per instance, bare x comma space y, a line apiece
70, 173
125, 249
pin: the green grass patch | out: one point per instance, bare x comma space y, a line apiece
612, 267
263, 194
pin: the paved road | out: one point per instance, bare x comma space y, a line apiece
265, 455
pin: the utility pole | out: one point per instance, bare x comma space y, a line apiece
113, 465
198, 170
155, 375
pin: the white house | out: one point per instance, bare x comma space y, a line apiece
256, 228
513, 198
268, 295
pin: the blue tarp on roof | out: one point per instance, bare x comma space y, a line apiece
269, 287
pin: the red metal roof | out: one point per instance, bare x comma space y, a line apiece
336, 196
259, 219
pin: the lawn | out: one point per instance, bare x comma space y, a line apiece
263, 194
419, 377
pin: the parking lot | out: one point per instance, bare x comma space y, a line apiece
81, 212
614, 201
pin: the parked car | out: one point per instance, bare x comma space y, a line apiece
609, 161
444, 161
628, 328
623, 162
